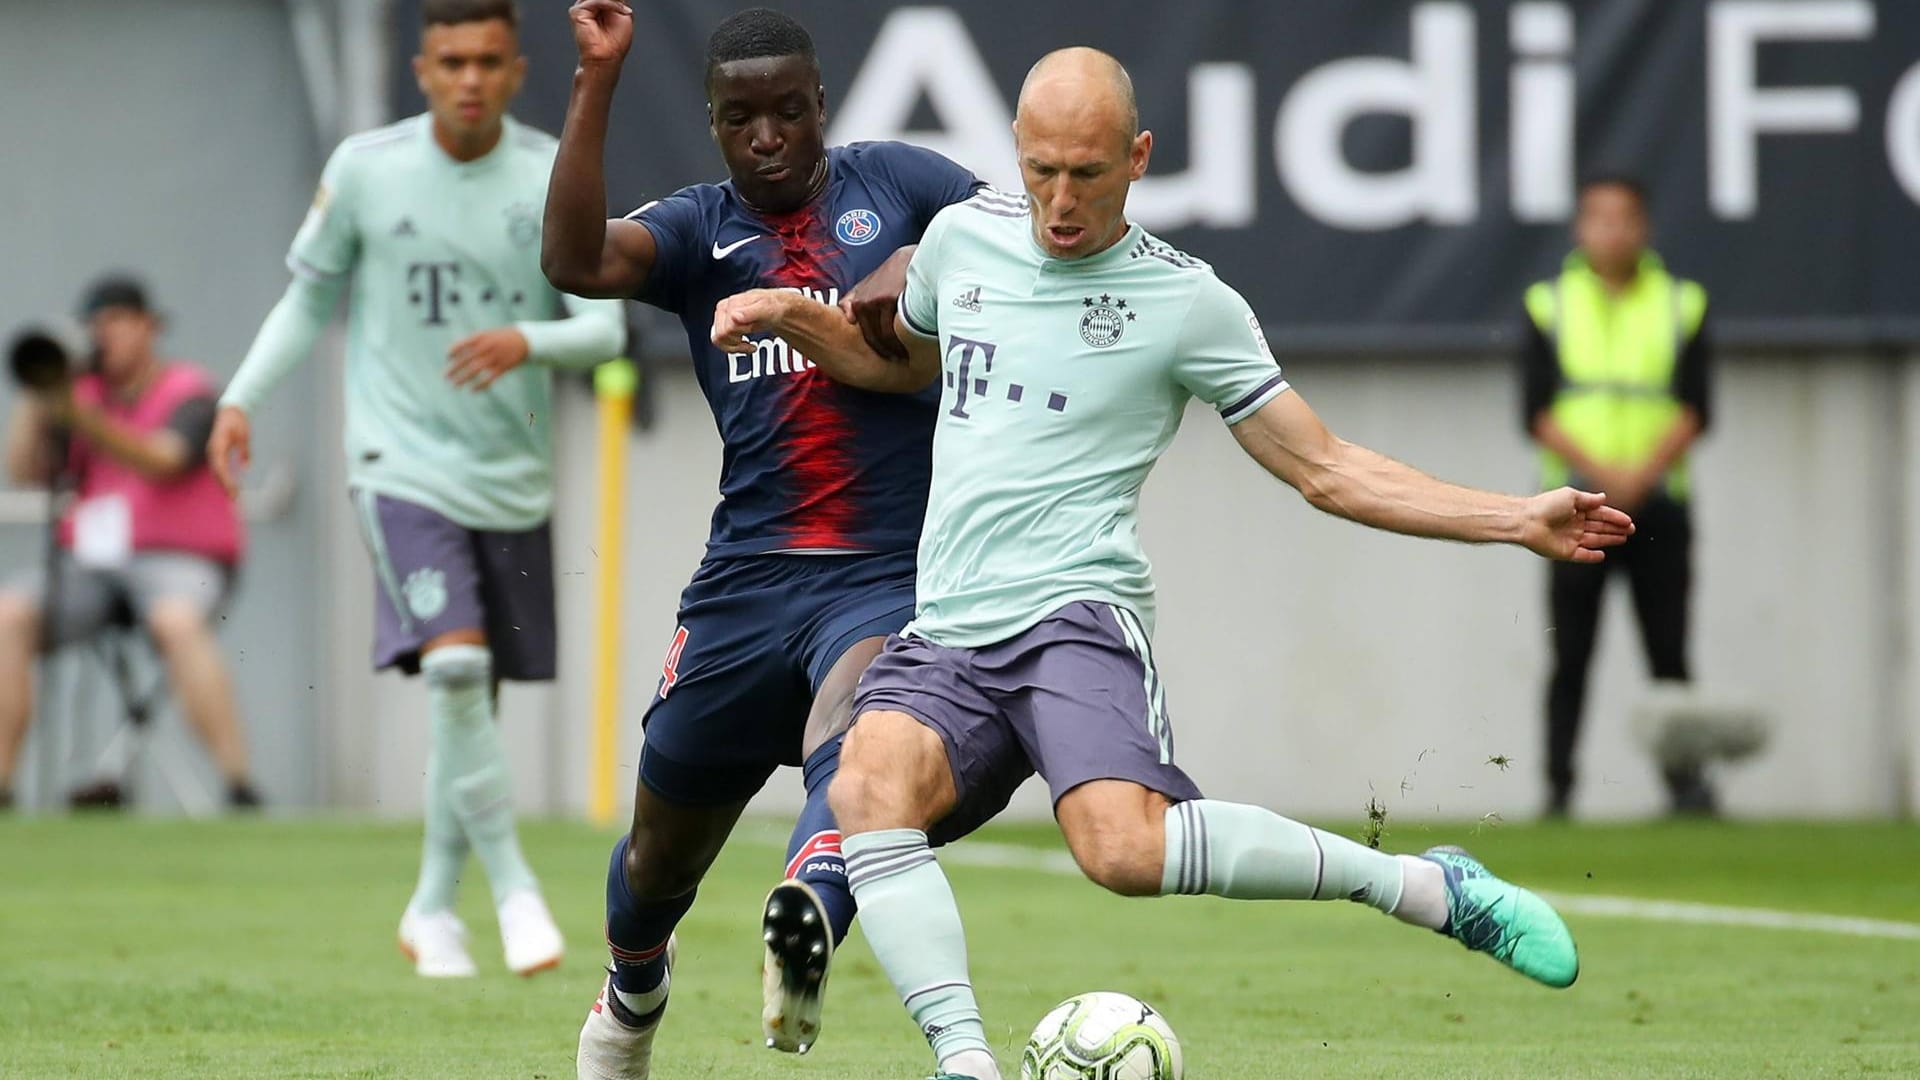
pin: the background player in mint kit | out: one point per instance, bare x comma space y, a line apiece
823, 487
1068, 343
452, 335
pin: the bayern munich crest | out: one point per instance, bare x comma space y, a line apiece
857, 227
1104, 319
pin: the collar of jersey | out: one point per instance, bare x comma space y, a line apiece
482, 163
824, 197
1111, 256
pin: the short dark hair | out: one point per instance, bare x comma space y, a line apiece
115, 290
1627, 182
455, 12
758, 33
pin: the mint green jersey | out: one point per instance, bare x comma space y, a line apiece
439, 250
1063, 382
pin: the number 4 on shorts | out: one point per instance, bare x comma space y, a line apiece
669, 668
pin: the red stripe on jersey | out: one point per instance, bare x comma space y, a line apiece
818, 463
818, 458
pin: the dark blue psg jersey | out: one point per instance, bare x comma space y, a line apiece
809, 464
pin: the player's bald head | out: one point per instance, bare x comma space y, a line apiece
1078, 135
1079, 86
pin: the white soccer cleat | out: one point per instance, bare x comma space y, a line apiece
613, 1046
437, 945
528, 934
793, 975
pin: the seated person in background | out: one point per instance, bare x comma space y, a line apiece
149, 527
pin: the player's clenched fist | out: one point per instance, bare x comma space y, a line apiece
602, 30
230, 448
752, 312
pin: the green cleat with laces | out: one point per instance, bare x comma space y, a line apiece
1505, 921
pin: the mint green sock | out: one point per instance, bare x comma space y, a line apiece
467, 742
443, 849
1247, 853
912, 923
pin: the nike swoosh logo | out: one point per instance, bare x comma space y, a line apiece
722, 252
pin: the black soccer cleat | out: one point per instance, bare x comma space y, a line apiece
794, 974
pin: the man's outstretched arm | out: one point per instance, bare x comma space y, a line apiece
825, 336
1353, 482
581, 252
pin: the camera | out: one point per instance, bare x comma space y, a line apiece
39, 360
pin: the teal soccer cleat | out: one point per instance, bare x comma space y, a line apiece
1505, 921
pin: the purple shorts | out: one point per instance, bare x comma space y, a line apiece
1076, 698
433, 576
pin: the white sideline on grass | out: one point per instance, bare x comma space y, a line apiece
1015, 857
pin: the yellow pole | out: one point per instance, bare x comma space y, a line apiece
613, 386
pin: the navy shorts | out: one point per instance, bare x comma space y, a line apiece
756, 637
1075, 698
433, 576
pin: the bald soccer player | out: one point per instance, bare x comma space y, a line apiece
1067, 343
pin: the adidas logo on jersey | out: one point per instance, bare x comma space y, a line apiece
969, 300
405, 228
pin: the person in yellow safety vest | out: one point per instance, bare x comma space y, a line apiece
1615, 391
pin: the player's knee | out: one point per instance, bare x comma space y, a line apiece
855, 797
893, 774
457, 667
1120, 860
19, 620
175, 624
1117, 833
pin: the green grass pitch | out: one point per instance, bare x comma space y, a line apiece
264, 948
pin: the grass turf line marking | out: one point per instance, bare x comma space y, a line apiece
980, 853
1679, 911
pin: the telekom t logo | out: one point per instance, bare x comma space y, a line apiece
440, 287
966, 385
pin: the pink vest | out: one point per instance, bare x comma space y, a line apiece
189, 513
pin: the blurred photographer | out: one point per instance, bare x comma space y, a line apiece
148, 526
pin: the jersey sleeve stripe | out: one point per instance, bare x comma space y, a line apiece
1250, 404
303, 269
379, 137
993, 201
906, 313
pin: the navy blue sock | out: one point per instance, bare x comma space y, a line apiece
813, 854
637, 931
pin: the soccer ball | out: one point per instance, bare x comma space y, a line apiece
1102, 1036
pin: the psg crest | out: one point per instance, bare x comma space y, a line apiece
857, 227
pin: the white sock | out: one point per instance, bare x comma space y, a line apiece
468, 749
975, 1063
1423, 894
645, 1004
1249, 853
